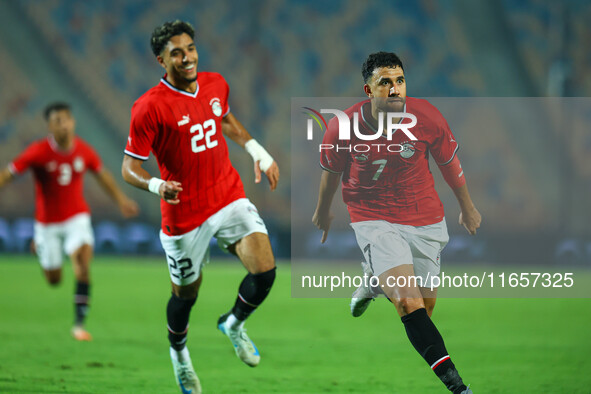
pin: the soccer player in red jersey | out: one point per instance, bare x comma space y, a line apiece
181, 121
395, 211
62, 217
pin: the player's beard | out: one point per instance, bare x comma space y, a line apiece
386, 105
183, 75
64, 138
397, 106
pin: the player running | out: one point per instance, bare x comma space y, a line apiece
395, 211
181, 121
62, 217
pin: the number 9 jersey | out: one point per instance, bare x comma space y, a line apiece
184, 132
58, 177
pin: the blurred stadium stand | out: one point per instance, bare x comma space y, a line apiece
107, 237
5, 236
22, 233
96, 55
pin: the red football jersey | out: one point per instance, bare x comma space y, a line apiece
58, 177
390, 179
184, 132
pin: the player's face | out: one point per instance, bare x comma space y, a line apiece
180, 59
387, 88
61, 125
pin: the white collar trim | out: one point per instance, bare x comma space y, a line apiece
168, 85
56, 148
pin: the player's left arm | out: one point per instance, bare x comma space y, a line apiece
454, 176
233, 129
444, 149
128, 207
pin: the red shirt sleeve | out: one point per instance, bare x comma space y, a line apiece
142, 131
92, 159
453, 173
331, 158
26, 159
225, 100
444, 146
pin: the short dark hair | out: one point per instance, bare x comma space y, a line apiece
377, 60
56, 106
162, 34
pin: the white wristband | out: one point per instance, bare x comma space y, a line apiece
154, 185
259, 154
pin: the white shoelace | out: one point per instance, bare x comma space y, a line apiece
186, 373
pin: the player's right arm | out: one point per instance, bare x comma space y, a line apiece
333, 163
5, 176
329, 183
134, 174
20, 164
142, 131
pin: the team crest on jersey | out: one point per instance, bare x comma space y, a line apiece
216, 107
408, 150
78, 164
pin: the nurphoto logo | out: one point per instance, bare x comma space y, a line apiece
345, 129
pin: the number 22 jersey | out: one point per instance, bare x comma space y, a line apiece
184, 132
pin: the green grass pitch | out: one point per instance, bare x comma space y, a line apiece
306, 345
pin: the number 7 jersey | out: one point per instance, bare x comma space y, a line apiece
184, 132
390, 180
